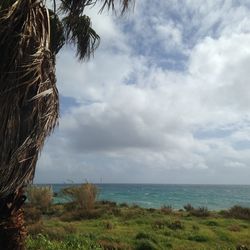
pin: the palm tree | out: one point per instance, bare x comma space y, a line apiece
31, 35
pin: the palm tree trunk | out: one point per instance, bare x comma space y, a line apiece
12, 229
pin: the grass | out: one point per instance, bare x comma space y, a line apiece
111, 226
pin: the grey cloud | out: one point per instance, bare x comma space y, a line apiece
145, 131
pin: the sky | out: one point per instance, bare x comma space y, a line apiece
165, 99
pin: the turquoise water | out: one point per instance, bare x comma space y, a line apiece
215, 197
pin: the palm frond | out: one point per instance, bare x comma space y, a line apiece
75, 7
28, 95
78, 31
6, 3
123, 5
57, 39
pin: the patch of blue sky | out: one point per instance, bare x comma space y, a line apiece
241, 145
67, 103
161, 51
241, 3
156, 54
212, 133
131, 79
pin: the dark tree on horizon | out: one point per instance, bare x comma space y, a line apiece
31, 35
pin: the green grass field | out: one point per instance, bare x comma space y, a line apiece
110, 226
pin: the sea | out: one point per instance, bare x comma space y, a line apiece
214, 197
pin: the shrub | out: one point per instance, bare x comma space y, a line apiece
195, 227
112, 245
70, 228
143, 235
79, 242
151, 210
212, 223
55, 233
116, 211
124, 204
134, 205
82, 214
176, 225
234, 228
41, 242
145, 244
242, 247
36, 228
109, 203
188, 207
167, 209
238, 212
109, 225
131, 215
200, 212
40, 197
83, 196
198, 238
32, 214
56, 210
159, 224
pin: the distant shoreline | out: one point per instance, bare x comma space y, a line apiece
170, 184
214, 197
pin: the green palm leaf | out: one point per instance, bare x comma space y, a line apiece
78, 32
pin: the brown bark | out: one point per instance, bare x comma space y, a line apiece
13, 232
12, 229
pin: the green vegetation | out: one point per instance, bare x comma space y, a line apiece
110, 226
40, 197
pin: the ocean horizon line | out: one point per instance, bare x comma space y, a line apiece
147, 183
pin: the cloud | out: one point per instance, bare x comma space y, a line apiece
139, 116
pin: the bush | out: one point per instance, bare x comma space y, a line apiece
36, 228
176, 225
151, 210
79, 242
131, 214
238, 212
195, 227
109, 203
32, 214
167, 209
70, 242
82, 214
145, 244
159, 224
212, 223
242, 247
108, 225
56, 210
116, 211
70, 228
41, 242
188, 207
83, 196
124, 204
55, 233
198, 238
200, 212
143, 235
109, 244
40, 197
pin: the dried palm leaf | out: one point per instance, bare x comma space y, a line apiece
28, 95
